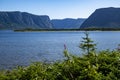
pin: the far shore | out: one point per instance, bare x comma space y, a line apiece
42, 30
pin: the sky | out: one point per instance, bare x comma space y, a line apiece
58, 9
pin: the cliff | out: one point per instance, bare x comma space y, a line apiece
103, 18
23, 20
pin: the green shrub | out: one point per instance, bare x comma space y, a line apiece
103, 65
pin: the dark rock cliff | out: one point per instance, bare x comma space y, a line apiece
103, 18
23, 20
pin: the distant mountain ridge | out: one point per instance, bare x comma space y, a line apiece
67, 23
103, 18
22, 20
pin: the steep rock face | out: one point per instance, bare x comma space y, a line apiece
103, 18
23, 20
67, 23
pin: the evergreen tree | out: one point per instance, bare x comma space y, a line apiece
87, 44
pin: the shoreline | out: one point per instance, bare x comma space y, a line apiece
44, 30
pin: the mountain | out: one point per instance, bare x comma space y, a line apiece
103, 18
22, 20
67, 23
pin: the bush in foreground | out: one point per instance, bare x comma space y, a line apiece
103, 65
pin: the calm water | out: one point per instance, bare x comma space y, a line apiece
22, 48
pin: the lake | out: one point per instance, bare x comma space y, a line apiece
22, 48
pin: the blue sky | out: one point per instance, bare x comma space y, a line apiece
58, 9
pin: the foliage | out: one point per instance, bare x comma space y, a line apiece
103, 65
87, 44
